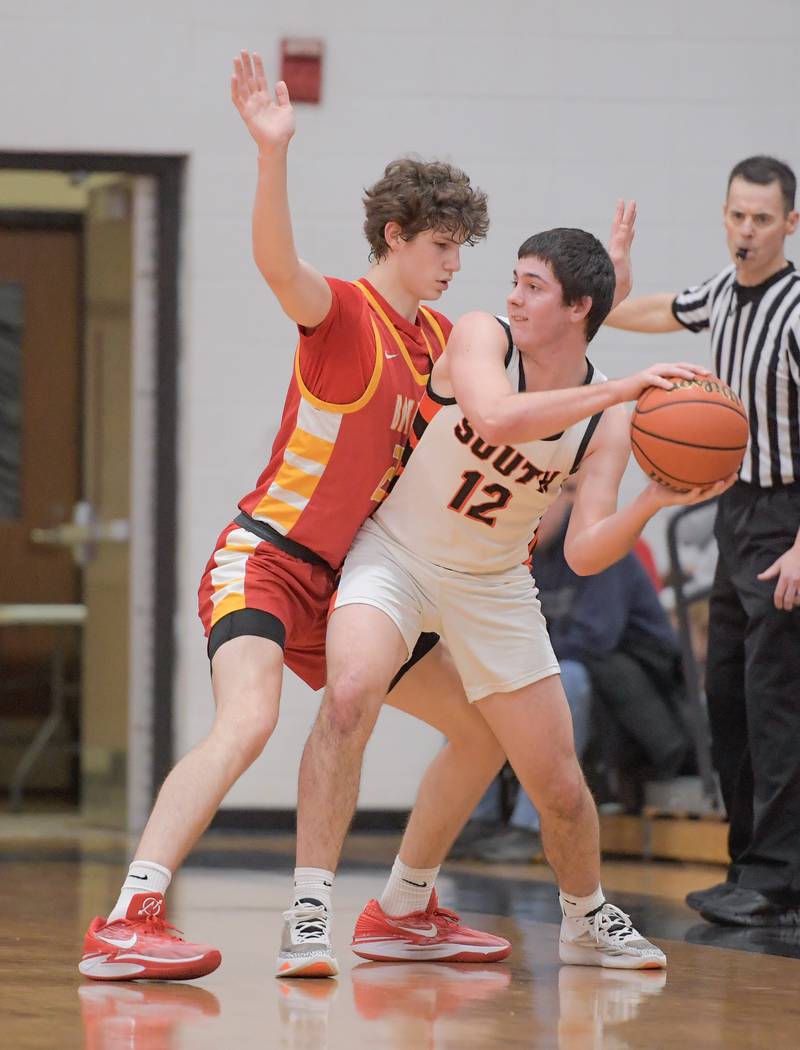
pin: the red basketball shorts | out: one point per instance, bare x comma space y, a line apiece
251, 587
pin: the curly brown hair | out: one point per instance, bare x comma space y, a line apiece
420, 195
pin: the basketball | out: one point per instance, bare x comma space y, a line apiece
692, 435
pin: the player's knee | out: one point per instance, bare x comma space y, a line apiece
256, 737
565, 793
244, 732
350, 707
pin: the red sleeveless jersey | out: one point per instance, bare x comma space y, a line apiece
357, 380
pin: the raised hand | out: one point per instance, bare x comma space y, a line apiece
623, 230
269, 120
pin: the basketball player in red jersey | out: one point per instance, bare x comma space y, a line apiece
363, 358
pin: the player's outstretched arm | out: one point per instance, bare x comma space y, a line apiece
623, 230
475, 362
302, 291
598, 534
645, 313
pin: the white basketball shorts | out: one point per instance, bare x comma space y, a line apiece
492, 622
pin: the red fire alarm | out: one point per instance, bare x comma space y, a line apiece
301, 67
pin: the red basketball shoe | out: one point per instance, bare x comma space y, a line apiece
433, 934
142, 946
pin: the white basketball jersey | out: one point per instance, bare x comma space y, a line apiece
464, 504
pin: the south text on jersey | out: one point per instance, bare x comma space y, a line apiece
505, 459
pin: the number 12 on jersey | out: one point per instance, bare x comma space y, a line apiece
462, 500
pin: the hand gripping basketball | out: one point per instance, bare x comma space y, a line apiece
692, 435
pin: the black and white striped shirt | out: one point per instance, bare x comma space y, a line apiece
755, 347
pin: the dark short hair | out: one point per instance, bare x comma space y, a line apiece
763, 170
420, 195
582, 267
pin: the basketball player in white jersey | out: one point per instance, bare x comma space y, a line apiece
512, 410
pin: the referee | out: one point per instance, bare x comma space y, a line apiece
752, 311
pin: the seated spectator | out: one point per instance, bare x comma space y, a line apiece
621, 671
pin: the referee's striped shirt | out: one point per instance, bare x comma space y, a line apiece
755, 346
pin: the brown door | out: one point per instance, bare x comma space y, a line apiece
40, 322
40, 464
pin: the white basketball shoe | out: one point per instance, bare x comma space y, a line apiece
607, 937
306, 943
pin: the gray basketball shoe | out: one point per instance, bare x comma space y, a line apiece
306, 944
606, 937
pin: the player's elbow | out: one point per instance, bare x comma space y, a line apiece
579, 559
490, 430
492, 423
581, 567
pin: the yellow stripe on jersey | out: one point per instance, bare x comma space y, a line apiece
419, 379
309, 446
354, 406
307, 454
293, 479
280, 514
437, 328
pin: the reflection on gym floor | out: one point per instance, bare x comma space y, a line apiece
233, 894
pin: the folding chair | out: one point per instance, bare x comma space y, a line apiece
693, 555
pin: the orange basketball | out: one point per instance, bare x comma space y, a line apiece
694, 434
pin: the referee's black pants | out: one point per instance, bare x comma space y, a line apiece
753, 689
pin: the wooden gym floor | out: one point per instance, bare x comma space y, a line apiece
725, 988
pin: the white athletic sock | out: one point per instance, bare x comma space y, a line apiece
316, 883
408, 889
578, 907
144, 876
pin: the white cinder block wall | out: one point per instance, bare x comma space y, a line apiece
555, 107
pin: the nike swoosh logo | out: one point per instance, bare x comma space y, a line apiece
142, 877
129, 943
422, 885
389, 357
420, 931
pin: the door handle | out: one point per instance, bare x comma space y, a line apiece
83, 533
